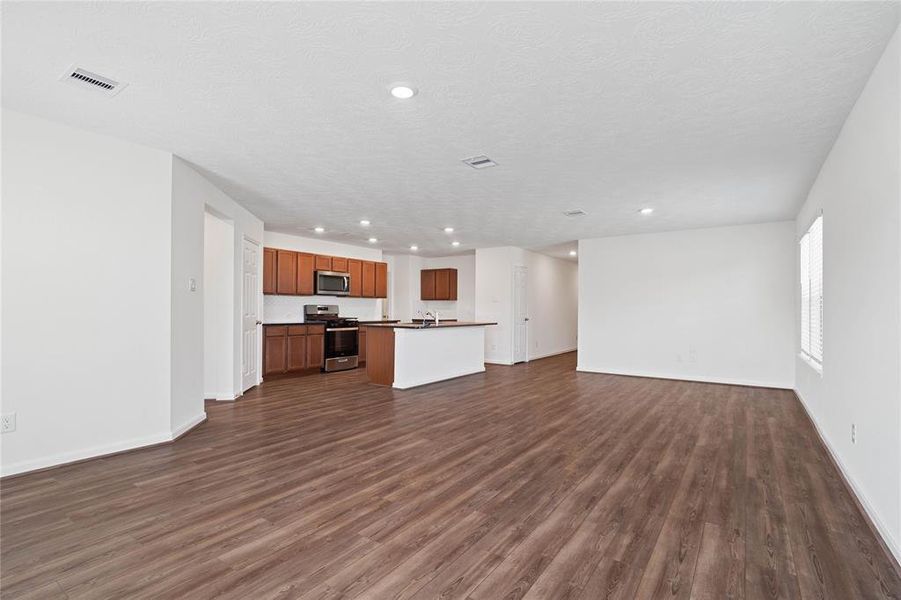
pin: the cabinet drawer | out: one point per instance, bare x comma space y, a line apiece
276, 331
297, 330
315, 329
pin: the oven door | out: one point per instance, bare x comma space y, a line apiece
341, 341
330, 283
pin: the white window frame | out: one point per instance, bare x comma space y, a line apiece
810, 317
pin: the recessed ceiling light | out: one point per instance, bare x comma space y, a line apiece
646, 211
414, 248
373, 240
319, 229
455, 243
364, 223
572, 252
403, 92
448, 230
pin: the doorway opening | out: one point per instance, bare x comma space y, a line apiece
520, 314
218, 307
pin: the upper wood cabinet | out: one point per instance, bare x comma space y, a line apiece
286, 272
305, 273
438, 284
427, 284
368, 285
323, 263
269, 271
339, 264
355, 268
381, 280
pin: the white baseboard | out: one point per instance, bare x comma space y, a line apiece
224, 396
498, 362
884, 532
552, 353
188, 425
781, 385
63, 458
83, 453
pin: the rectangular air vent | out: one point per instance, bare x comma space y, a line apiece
480, 162
575, 212
92, 81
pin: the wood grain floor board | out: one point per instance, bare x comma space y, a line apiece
532, 481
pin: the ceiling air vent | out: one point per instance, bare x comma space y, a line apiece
92, 81
575, 212
480, 162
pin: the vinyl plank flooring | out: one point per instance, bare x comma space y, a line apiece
533, 481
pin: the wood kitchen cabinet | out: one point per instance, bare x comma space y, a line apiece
361, 345
305, 270
323, 263
292, 348
269, 271
290, 273
381, 280
286, 272
355, 268
275, 350
296, 359
316, 349
438, 284
339, 264
368, 279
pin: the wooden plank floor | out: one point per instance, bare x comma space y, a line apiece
531, 481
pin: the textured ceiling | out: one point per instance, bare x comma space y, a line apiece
713, 113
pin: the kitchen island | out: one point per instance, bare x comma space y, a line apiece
406, 355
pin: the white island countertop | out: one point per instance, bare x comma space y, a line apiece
405, 355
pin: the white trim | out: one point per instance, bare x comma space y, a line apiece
65, 458
700, 379
505, 363
84, 453
813, 364
187, 425
224, 396
552, 353
873, 515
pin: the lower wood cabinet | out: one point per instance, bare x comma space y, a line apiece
315, 349
361, 346
292, 348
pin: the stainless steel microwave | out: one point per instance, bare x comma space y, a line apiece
331, 283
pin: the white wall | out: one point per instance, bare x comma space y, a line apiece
494, 301
404, 293
192, 195
103, 339
858, 191
707, 304
552, 291
553, 303
289, 309
218, 308
87, 226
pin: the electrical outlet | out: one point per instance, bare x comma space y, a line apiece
853, 433
8, 422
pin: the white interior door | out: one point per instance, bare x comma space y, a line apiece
520, 315
251, 321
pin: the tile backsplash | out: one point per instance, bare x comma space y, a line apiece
289, 309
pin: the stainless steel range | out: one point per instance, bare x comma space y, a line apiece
342, 341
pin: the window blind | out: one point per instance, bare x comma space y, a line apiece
811, 258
